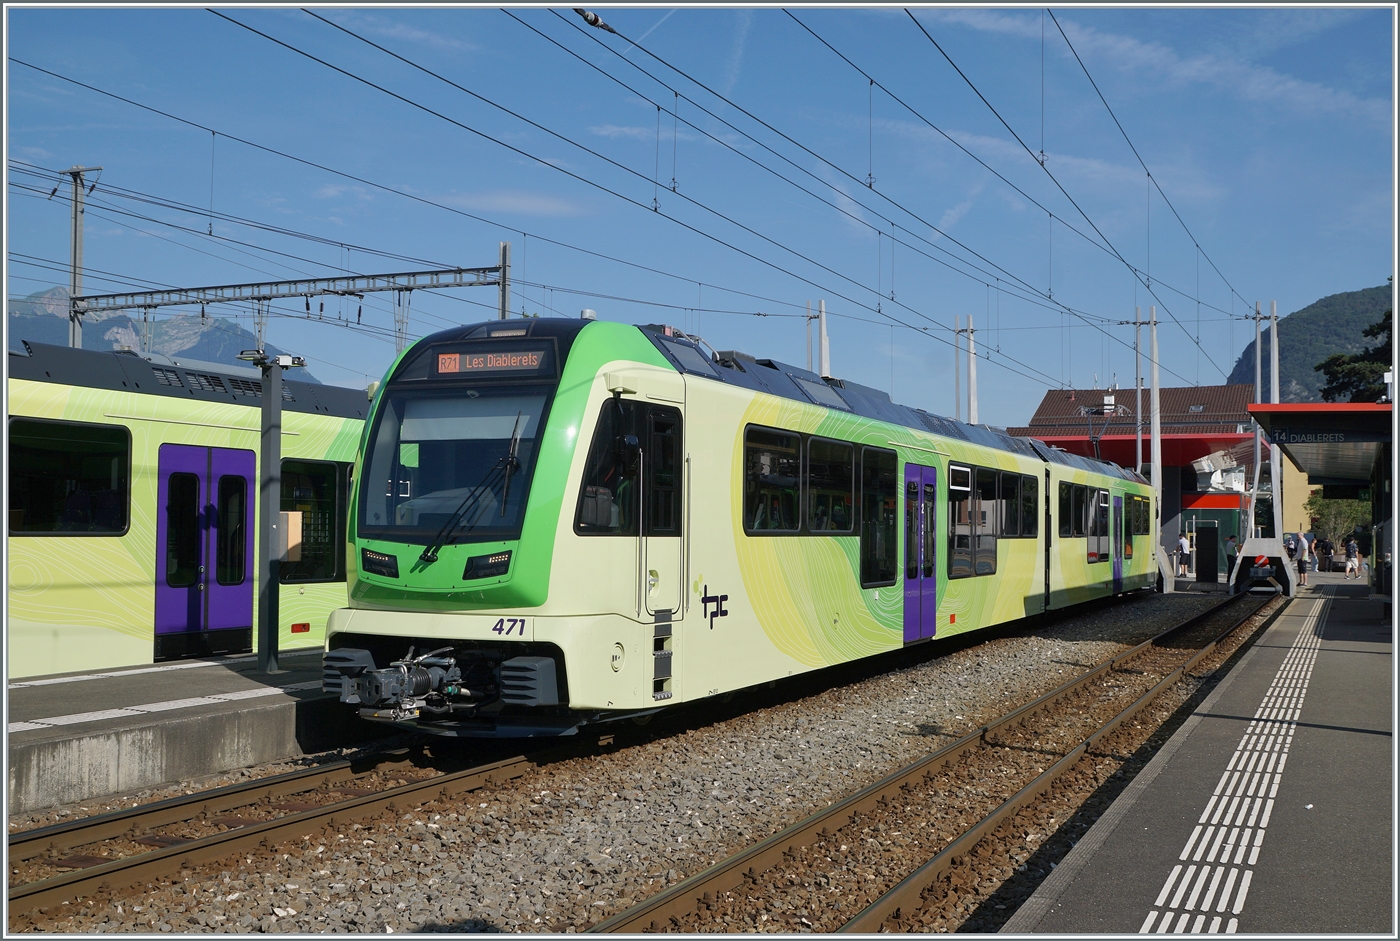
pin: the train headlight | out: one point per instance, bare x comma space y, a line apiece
487, 566
379, 563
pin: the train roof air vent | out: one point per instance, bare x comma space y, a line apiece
205, 382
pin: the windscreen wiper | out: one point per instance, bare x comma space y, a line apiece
511, 462
430, 553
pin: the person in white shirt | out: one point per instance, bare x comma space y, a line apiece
1303, 561
1183, 554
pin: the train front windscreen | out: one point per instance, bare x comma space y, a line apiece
455, 441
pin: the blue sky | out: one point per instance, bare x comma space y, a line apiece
1270, 131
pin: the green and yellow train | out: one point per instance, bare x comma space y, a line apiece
562, 522
132, 497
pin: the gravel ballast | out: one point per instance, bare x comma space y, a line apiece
573, 842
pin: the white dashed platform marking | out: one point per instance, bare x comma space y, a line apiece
1207, 888
146, 708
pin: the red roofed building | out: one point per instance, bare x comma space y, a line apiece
1207, 448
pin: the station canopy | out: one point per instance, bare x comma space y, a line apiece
1333, 443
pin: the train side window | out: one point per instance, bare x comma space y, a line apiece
1009, 504
772, 481
911, 529
988, 519
68, 478
879, 533
1144, 517
318, 490
182, 530
930, 529
230, 550
959, 522
1030, 506
1066, 509
663, 472
1128, 525
1098, 548
830, 486
1079, 517
607, 502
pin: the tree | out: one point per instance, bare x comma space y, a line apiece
1333, 519
1359, 375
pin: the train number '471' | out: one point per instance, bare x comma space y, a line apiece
507, 626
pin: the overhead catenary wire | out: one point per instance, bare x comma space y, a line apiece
634, 202
1147, 284
1057, 305
981, 277
385, 188
1143, 163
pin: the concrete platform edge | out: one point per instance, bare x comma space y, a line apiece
1035, 908
165, 750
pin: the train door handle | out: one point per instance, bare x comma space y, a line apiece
653, 580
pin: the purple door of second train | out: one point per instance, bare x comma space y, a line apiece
920, 552
1117, 530
204, 550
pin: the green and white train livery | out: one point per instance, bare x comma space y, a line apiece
560, 522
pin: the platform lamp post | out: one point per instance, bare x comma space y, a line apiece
270, 540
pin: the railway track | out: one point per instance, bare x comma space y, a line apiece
109, 852
885, 857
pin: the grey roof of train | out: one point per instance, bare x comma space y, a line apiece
787, 381
199, 381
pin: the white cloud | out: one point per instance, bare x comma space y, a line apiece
1168, 68
614, 131
518, 201
390, 29
736, 55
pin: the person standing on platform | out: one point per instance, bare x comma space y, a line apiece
1353, 558
1183, 555
1303, 560
1232, 550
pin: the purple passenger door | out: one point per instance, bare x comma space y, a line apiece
920, 552
204, 551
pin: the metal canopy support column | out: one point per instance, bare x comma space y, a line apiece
1164, 567
270, 541
1275, 458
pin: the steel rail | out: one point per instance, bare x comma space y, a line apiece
665, 909
138, 869
910, 892
29, 844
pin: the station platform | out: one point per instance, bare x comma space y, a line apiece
1269, 810
80, 736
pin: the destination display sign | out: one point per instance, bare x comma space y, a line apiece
492, 360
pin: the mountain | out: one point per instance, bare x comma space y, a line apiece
42, 317
1306, 337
